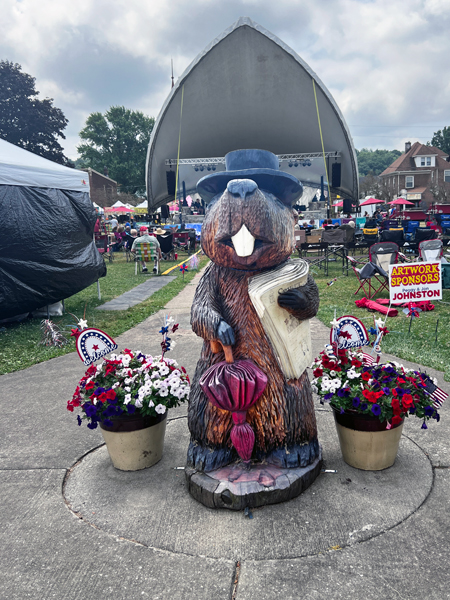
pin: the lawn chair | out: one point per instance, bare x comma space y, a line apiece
300, 238
370, 236
336, 247
128, 242
167, 247
373, 277
431, 250
146, 252
313, 250
181, 240
103, 246
396, 235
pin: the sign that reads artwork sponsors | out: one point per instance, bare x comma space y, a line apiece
415, 281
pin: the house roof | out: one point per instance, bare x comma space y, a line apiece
406, 162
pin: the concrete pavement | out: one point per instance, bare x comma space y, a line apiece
72, 527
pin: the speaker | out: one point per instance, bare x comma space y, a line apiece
165, 211
347, 206
336, 175
170, 175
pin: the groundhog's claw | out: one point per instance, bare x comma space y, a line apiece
225, 334
293, 299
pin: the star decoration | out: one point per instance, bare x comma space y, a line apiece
95, 347
334, 323
82, 324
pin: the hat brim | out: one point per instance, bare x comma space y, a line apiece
282, 185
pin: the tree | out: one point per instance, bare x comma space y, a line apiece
26, 121
373, 185
375, 161
117, 140
441, 140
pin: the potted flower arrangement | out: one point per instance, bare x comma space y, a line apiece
128, 395
370, 403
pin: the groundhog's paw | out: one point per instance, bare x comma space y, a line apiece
225, 334
293, 299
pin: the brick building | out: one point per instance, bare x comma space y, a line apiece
423, 171
103, 190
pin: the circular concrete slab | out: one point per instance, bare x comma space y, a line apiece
154, 508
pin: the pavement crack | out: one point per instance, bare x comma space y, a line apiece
237, 571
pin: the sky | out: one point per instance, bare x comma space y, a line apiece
384, 61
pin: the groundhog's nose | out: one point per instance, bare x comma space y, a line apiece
242, 187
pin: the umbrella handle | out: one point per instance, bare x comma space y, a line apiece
217, 346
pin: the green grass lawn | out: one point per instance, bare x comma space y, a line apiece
419, 345
20, 348
20, 344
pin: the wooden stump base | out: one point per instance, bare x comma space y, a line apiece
237, 486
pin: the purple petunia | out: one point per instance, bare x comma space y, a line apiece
328, 397
356, 401
131, 408
437, 416
376, 409
429, 410
99, 391
342, 411
92, 425
79, 420
364, 406
424, 425
387, 391
107, 422
90, 410
341, 393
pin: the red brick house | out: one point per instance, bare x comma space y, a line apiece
103, 190
423, 171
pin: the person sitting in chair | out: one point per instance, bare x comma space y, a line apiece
144, 237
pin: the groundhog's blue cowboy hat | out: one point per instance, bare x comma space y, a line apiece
259, 165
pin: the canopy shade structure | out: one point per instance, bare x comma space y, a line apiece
247, 90
370, 201
340, 203
20, 167
401, 201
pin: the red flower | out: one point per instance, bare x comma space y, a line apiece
69, 406
356, 363
371, 396
366, 376
102, 397
318, 372
407, 401
90, 385
394, 392
396, 419
127, 351
395, 403
76, 402
400, 380
110, 394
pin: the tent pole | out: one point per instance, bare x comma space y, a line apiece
98, 290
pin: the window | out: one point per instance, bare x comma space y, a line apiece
447, 176
428, 161
422, 161
409, 181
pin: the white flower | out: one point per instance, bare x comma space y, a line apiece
160, 409
163, 391
163, 370
127, 388
113, 356
115, 385
325, 385
127, 398
174, 383
138, 403
157, 384
333, 373
151, 403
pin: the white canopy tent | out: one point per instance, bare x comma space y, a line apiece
20, 167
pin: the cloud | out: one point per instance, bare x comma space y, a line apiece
384, 62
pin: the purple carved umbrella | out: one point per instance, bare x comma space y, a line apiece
235, 386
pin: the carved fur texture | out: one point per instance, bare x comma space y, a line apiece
284, 415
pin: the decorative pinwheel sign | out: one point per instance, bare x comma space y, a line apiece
93, 344
348, 332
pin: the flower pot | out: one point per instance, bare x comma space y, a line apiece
135, 442
365, 442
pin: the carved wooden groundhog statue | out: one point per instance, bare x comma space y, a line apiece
249, 229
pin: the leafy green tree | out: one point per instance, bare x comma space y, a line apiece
441, 140
375, 161
117, 140
26, 121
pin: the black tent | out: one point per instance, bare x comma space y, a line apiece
47, 252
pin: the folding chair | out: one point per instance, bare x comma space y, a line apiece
181, 240
335, 249
145, 252
396, 235
300, 238
370, 236
421, 235
313, 250
166, 245
103, 246
128, 240
373, 277
431, 250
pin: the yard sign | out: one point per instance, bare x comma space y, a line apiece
415, 281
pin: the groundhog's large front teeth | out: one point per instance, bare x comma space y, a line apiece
243, 242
